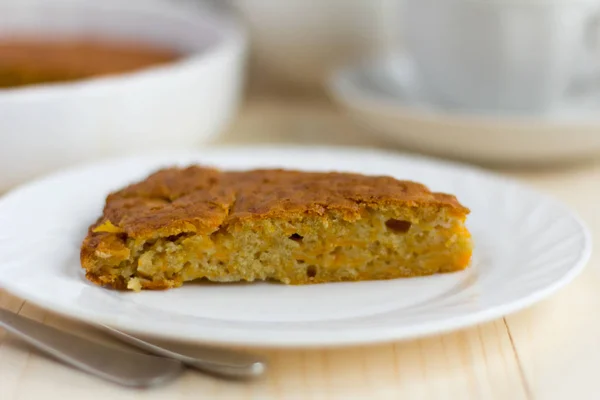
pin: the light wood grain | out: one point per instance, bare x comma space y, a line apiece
549, 351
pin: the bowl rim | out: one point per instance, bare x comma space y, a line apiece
231, 38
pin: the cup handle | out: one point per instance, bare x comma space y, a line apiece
592, 34
389, 14
589, 75
592, 43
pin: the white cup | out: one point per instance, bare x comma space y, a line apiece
299, 42
518, 55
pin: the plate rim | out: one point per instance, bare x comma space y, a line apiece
339, 85
434, 131
382, 335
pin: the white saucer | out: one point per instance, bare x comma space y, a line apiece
386, 97
526, 247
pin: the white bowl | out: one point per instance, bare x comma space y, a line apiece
178, 105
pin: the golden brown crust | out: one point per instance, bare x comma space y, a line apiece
118, 282
196, 199
202, 200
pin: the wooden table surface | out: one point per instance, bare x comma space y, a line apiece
549, 351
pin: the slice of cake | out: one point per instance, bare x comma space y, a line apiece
294, 227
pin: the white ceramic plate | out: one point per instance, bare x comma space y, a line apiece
385, 96
527, 246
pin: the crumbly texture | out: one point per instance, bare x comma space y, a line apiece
183, 224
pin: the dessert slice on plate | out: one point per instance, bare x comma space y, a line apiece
294, 227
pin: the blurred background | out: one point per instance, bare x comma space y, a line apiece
504, 84
497, 82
